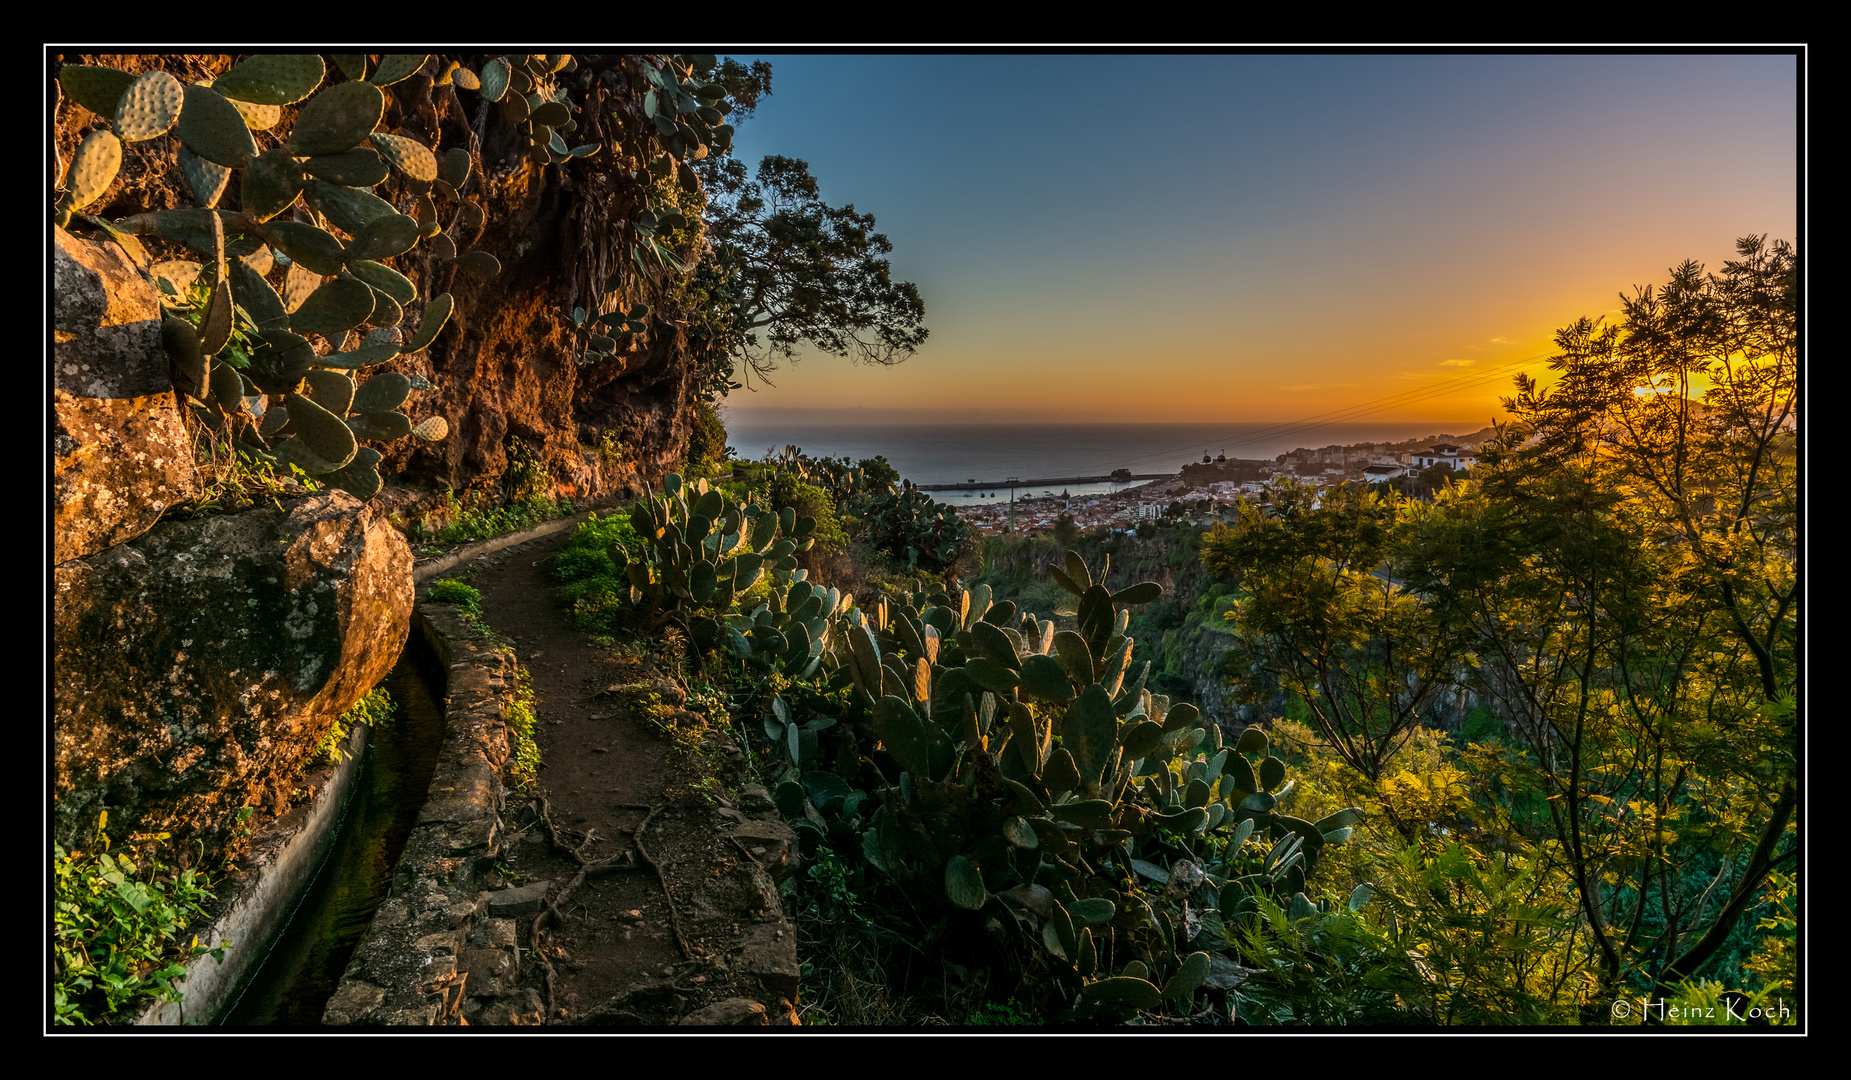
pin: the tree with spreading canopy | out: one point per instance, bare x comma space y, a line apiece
1617, 582
786, 269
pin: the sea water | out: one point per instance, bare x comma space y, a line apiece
991, 453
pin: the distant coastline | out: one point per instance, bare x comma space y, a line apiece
937, 453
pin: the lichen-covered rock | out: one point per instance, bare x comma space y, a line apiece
198, 665
120, 451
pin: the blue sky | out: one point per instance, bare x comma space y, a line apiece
1111, 237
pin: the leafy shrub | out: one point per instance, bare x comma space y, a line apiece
524, 762
114, 933
452, 591
466, 524
373, 710
598, 593
810, 500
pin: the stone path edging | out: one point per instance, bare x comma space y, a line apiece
439, 938
404, 970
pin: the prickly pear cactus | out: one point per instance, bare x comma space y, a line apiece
267, 375
1023, 773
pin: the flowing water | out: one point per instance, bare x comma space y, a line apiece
305, 964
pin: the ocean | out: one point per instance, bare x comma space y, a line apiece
954, 453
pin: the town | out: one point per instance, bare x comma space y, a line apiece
1207, 491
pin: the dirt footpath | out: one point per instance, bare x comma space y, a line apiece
659, 867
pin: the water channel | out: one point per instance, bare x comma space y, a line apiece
310, 953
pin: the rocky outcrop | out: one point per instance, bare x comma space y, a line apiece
120, 451
196, 667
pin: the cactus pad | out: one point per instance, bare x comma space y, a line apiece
273, 79
352, 65
255, 296
356, 168
364, 356
436, 313
396, 67
495, 75
270, 184
386, 311
258, 117
206, 179
332, 390
515, 108
298, 284
315, 250
93, 169
349, 209
215, 325
385, 279
279, 361
293, 451
552, 114
195, 229
455, 168
339, 305
411, 157
431, 429
380, 426
98, 89
212, 127
181, 343
324, 433
179, 273
337, 119
480, 263
227, 388
359, 477
384, 236
149, 106
381, 393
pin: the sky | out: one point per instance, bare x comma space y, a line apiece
1266, 237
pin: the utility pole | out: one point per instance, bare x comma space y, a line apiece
1012, 483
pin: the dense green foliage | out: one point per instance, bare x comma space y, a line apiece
1612, 595
1616, 587
114, 932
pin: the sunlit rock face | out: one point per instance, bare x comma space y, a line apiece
196, 667
120, 451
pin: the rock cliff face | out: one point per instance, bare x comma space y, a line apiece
502, 370
196, 663
195, 667
120, 452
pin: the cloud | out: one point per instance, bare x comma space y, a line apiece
1457, 363
1502, 341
